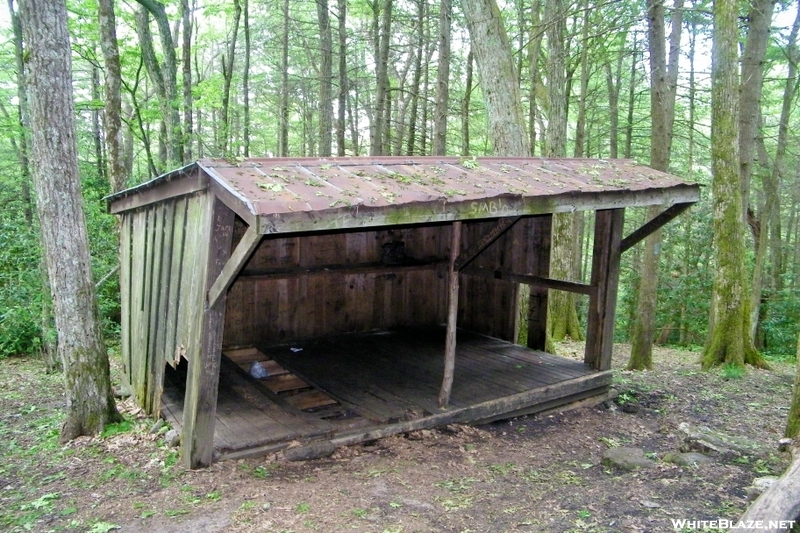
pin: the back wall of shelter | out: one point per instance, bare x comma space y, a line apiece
273, 300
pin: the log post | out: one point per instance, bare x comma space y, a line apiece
605, 279
452, 316
778, 508
537, 304
200, 404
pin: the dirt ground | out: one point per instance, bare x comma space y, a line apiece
534, 474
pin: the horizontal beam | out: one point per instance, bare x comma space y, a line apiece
549, 283
446, 210
365, 268
178, 186
487, 409
234, 264
502, 225
654, 224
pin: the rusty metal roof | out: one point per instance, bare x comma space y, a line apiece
301, 194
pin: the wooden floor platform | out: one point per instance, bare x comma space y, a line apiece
354, 387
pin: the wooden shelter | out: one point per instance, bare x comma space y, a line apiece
330, 301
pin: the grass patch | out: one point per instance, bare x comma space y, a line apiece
117, 428
732, 371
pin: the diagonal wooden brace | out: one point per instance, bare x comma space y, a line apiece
503, 225
234, 265
654, 225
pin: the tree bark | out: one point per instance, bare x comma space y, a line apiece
343, 83
580, 126
562, 315
325, 79
627, 151
729, 340
246, 80
498, 77
228, 61
465, 106
90, 404
24, 139
416, 76
170, 103
534, 49
613, 83
383, 37
769, 235
663, 90
752, 82
113, 95
283, 114
442, 80
793, 420
188, 126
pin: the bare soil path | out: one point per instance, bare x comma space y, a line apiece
536, 474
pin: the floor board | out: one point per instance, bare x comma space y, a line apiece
385, 380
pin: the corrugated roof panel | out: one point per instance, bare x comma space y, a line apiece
276, 186
311, 194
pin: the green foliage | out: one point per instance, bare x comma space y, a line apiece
115, 429
780, 324
732, 371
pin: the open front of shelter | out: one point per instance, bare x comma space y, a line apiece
315, 303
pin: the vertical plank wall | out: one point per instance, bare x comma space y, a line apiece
303, 306
162, 278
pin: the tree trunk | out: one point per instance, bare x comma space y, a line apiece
24, 138
246, 80
283, 113
752, 82
613, 83
383, 37
769, 235
562, 315
729, 340
188, 126
663, 89
325, 79
416, 77
227, 78
97, 135
465, 106
442, 81
343, 84
793, 421
534, 49
170, 103
113, 90
499, 80
580, 126
90, 404
627, 152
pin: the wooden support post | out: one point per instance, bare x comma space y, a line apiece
605, 279
452, 316
200, 405
537, 304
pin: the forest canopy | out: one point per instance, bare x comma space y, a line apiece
245, 78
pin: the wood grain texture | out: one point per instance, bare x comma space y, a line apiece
605, 279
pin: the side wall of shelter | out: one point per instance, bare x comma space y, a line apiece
276, 299
164, 257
